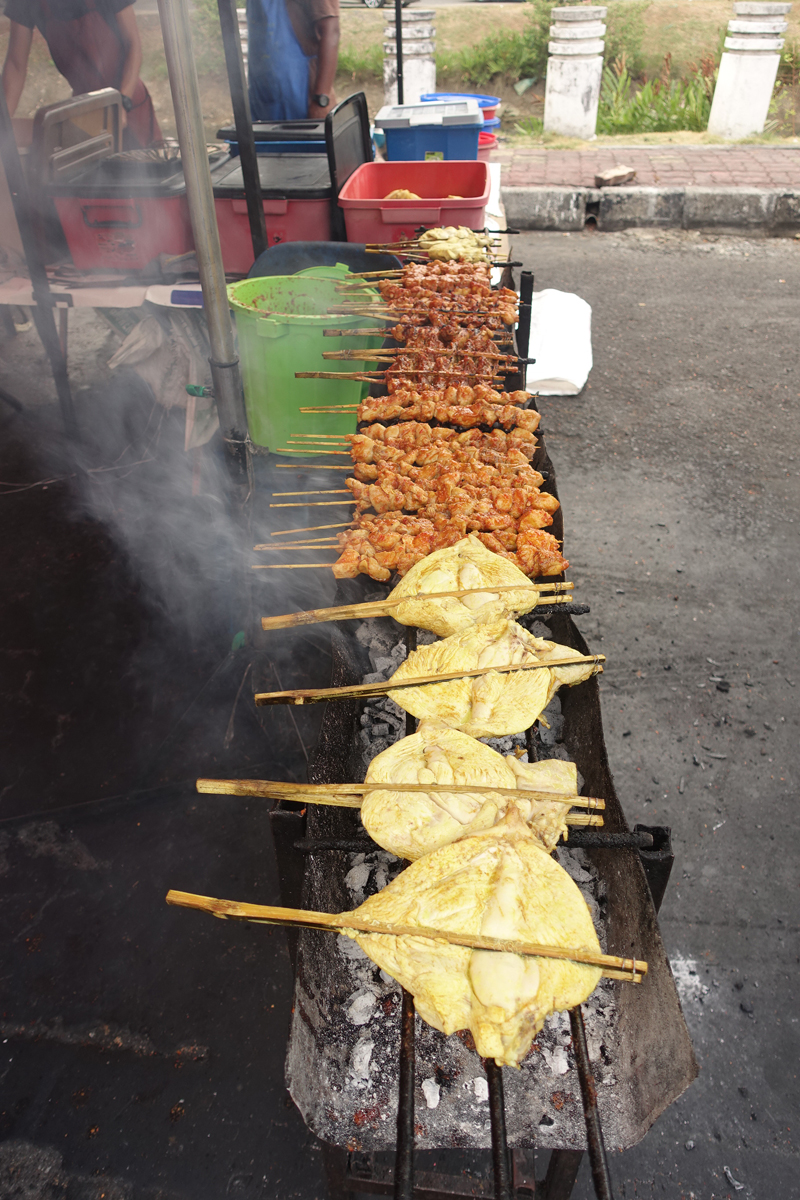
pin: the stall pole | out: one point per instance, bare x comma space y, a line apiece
398, 40
43, 298
224, 361
237, 83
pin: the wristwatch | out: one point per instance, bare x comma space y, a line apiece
322, 101
127, 103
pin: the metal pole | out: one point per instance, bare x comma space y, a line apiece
224, 361
237, 83
42, 296
404, 1159
398, 38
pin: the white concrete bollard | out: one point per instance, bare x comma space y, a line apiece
574, 71
748, 69
419, 57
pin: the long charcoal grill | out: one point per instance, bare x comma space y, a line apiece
652, 1063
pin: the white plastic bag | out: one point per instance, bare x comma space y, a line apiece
561, 343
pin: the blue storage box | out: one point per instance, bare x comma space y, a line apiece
424, 132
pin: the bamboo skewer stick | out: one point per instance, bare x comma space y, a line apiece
630, 969
322, 492
311, 504
377, 608
372, 376
317, 695
317, 450
347, 793
291, 566
316, 467
320, 545
304, 529
390, 354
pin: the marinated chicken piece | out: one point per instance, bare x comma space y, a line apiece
468, 564
490, 705
498, 883
410, 824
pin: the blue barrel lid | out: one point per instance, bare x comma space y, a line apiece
491, 124
483, 101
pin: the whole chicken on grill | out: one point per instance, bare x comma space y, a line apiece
494, 704
467, 564
411, 824
498, 883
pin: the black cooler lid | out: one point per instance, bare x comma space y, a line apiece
279, 131
282, 176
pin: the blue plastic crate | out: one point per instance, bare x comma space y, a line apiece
426, 142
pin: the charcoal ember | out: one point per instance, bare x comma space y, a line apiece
508, 744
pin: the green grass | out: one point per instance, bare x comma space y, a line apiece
361, 63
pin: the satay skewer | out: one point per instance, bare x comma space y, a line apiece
631, 970
318, 695
305, 529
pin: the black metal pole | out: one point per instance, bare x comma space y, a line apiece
594, 1134
229, 23
398, 39
497, 1114
404, 1162
42, 296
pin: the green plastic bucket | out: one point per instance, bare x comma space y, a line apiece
280, 320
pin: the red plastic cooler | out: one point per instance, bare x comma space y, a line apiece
451, 193
296, 191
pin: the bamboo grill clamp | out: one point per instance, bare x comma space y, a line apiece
377, 608
632, 970
347, 794
316, 695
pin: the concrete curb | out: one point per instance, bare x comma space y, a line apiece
771, 211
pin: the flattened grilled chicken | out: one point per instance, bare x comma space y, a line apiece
499, 883
491, 705
410, 824
467, 564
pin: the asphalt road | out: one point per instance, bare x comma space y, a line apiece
679, 472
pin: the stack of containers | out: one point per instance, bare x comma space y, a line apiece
448, 129
489, 106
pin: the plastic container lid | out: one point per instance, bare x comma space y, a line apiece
279, 131
482, 101
491, 123
283, 176
463, 111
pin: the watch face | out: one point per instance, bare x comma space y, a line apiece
127, 103
322, 101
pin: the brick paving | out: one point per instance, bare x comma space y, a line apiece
661, 166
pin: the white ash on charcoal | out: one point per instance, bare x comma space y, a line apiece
382, 721
342, 1064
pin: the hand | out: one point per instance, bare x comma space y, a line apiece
315, 113
123, 118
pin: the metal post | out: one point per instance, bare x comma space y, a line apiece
42, 296
501, 1162
224, 361
398, 38
237, 83
404, 1160
594, 1132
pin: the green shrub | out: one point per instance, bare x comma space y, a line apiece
361, 64
207, 37
659, 105
524, 55
625, 29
